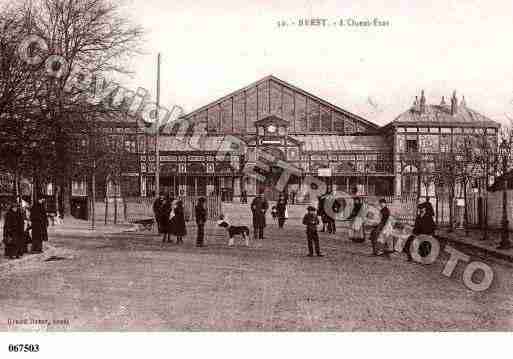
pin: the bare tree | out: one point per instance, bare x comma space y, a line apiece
91, 36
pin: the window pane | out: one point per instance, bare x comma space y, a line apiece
313, 115
325, 119
301, 125
251, 109
263, 100
276, 106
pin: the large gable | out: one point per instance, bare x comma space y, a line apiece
238, 111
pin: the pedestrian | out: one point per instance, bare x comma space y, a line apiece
429, 207
13, 232
334, 206
165, 213
38, 220
157, 212
384, 215
200, 212
244, 196
293, 197
357, 233
177, 223
281, 211
424, 224
321, 212
311, 221
259, 207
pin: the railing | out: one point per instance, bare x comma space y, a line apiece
135, 208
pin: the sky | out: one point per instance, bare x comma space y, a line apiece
211, 48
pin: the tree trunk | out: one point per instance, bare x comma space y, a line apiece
466, 206
106, 201
115, 205
451, 208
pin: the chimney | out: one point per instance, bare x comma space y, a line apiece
454, 104
442, 103
415, 106
422, 102
463, 103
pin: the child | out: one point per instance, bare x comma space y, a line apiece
311, 222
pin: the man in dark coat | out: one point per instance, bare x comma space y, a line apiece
259, 206
281, 211
13, 232
157, 210
38, 221
200, 212
424, 224
310, 220
164, 212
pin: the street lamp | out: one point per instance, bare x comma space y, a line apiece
505, 243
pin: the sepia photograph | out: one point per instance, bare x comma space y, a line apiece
260, 166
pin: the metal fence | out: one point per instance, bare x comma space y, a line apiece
137, 208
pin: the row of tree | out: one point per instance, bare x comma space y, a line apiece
477, 160
40, 115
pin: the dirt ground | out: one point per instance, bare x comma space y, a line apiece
132, 281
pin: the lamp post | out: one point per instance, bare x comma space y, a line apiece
504, 149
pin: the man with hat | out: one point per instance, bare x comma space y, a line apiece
259, 206
311, 221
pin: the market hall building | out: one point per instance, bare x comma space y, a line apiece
320, 139
288, 124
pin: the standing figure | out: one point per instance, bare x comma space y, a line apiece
311, 221
293, 196
281, 211
13, 232
178, 223
384, 213
164, 217
429, 208
357, 233
244, 196
38, 222
200, 213
259, 206
424, 224
334, 208
321, 212
157, 208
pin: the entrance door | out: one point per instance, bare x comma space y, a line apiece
268, 186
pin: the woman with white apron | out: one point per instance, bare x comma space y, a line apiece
357, 217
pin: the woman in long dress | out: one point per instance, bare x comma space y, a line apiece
357, 233
177, 224
13, 232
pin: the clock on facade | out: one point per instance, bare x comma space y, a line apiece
271, 129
